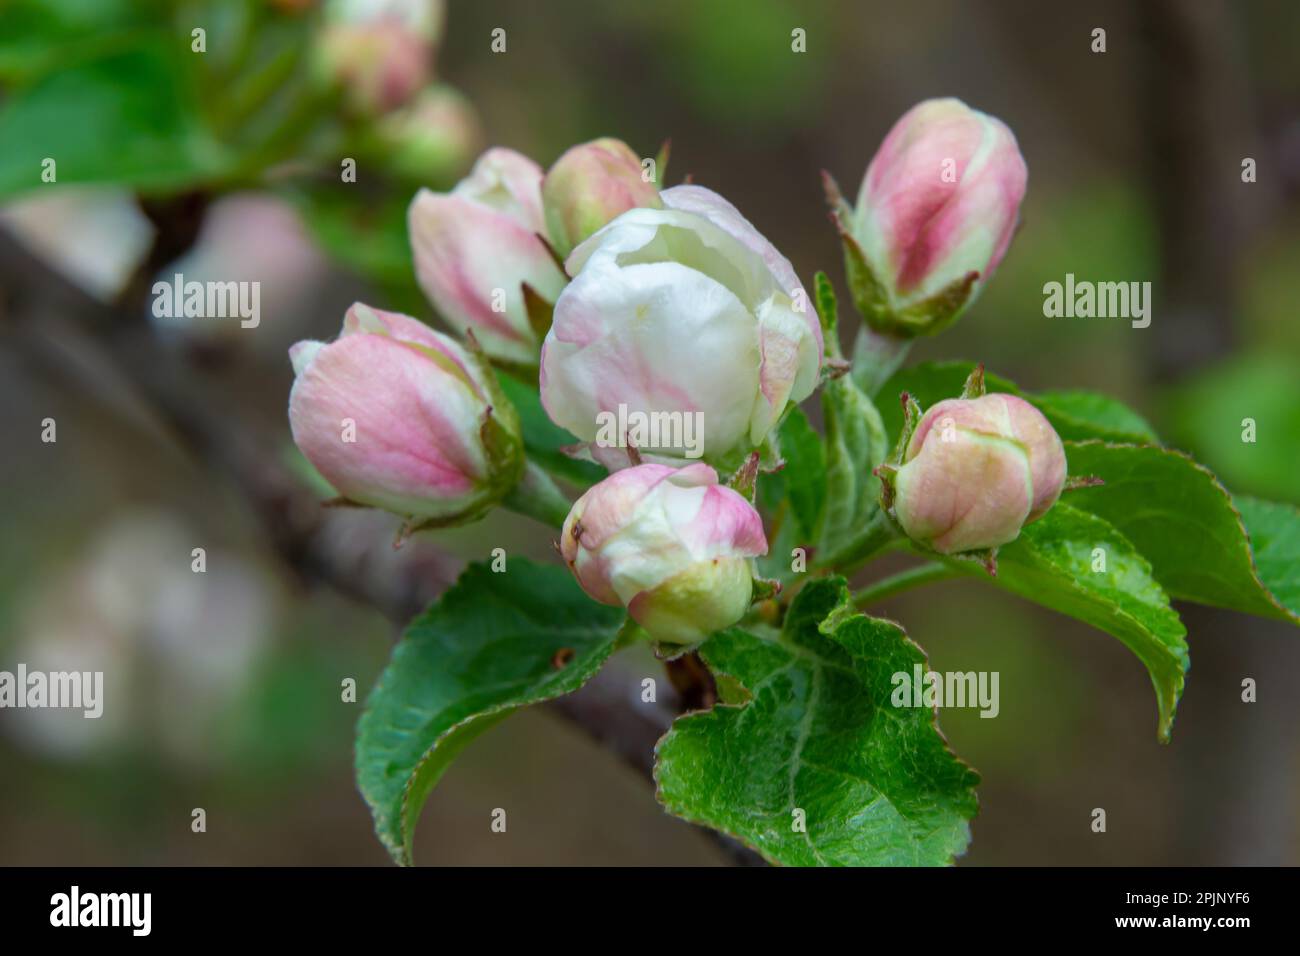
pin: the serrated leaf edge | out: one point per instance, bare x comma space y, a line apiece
1287, 612
842, 612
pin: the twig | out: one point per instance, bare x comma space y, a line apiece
903, 581
298, 528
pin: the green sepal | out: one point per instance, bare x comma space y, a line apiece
661, 163
764, 590
828, 313
744, 481
871, 296
933, 315
540, 312
911, 418
974, 387
887, 473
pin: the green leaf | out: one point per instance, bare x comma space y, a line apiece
855, 444
1209, 413
1053, 563
1275, 541
543, 439
36, 35
367, 233
126, 116
783, 534
490, 645
1179, 516
804, 474
1077, 415
876, 783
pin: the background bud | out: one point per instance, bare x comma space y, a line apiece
671, 545
684, 309
432, 137
476, 247
975, 471
936, 211
380, 51
589, 186
429, 437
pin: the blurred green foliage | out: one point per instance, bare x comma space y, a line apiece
1209, 414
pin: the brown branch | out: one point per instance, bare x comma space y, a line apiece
303, 535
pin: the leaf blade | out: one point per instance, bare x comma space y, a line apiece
127, 115
804, 476
1075, 414
878, 784
856, 443
1183, 520
543, 439
1274, 531
482, 651
1053, 564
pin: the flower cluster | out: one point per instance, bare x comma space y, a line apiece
624, 299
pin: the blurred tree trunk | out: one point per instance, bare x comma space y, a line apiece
1234, 767
1193, 96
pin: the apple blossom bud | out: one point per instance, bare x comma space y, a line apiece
590, 185
479, 245
975, 471
936, 211
686, 311
397, 416
434, 135
380, 51
671, 545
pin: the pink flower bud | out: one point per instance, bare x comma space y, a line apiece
435, 134
380, 51
937, 209
671, 545
400, 417
975, 471
684, 311
590, 185
477, 246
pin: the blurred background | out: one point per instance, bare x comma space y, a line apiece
224, 689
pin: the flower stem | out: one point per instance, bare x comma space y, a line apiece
904, 581
876, 357
537, 496
878, 535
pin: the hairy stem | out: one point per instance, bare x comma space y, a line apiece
876, 357
878, 535
903, 581
538, 497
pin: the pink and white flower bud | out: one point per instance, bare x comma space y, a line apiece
397, 416
938, 207
477, 246
591, 185
686, 309
671, 545
380, 51
975, 471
